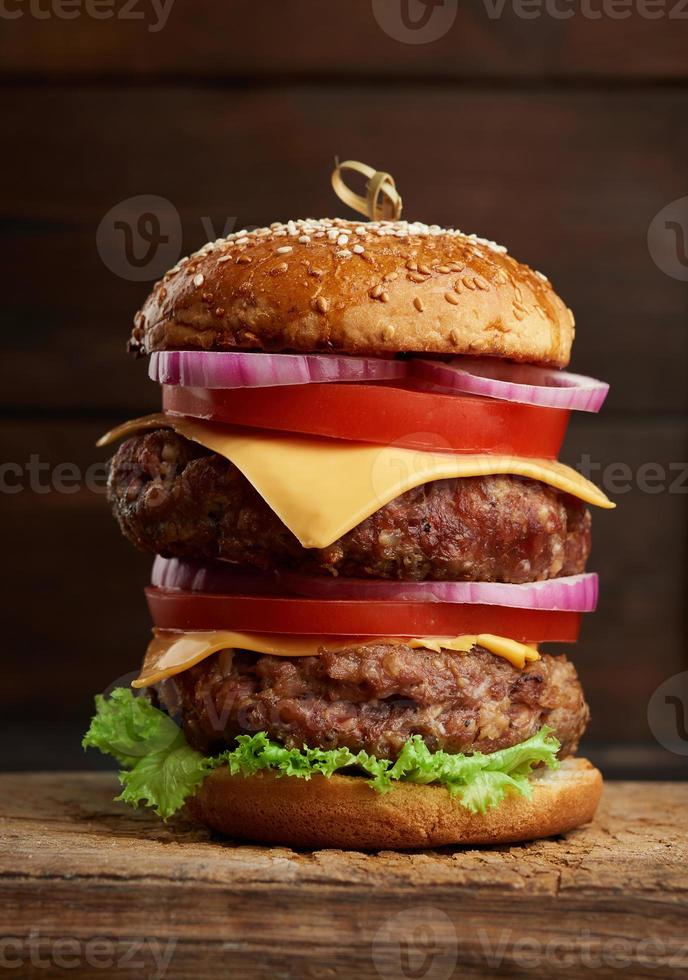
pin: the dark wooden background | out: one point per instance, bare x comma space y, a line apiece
559, 138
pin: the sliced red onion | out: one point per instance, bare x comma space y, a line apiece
238, 369
547, 387
213, 576
572, 593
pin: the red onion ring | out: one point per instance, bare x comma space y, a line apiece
547, 387
213, 576
239, 369
492, 378
571, 593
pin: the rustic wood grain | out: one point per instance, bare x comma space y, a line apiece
610, 897
593, 171
202, 38
560, 138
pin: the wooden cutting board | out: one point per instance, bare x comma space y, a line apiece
89, 888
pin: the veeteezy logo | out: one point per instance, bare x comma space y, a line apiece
415, 21
667, 713
417, 942
588, 9
667, 239
140, 238
155, 13
425, 21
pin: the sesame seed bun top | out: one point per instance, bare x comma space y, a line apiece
356, 287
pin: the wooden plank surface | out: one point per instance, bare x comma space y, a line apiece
472, 39
608, 899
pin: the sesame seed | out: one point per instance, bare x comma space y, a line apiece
468, 282
454, 337
482, 283
283, 249
339, 229
384, 297
199, 279
388, 332
359, 250
282, 267
391, 276
376, 291
418, 303
321, 304
343, 253
416, 277
244, 259
452, 298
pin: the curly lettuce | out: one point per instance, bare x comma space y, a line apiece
161, 770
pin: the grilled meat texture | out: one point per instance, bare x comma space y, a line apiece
174, 498
375, 696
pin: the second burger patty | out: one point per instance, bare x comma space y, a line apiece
176, 499
374, 697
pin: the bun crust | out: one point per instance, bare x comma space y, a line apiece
344, 812
365, 288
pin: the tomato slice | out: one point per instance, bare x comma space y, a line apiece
180, 610
383, 414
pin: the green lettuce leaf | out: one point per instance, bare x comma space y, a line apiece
160, 767
161, 770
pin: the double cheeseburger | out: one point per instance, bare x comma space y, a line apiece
362, 538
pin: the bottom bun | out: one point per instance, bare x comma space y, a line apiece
345, 812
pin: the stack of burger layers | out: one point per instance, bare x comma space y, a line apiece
365, 543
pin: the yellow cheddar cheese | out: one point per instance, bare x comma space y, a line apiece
172, 653
322, 488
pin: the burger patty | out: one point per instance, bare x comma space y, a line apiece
375, 697
174, 498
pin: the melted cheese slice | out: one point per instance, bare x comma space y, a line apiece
172, 653
322, 488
